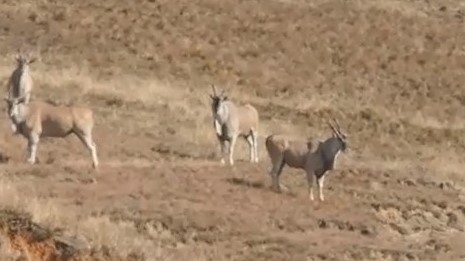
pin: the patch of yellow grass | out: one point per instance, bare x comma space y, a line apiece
120, 236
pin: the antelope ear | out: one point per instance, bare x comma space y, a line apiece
225, 98
32, 60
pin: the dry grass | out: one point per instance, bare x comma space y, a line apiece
97, 232
390, 71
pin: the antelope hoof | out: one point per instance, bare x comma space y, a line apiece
276, 189
222, 161
15, 131
283, 187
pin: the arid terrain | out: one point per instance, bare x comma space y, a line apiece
391, 71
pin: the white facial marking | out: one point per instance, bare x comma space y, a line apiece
335, 158
218, 128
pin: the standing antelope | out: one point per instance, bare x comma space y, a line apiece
302, 154
20, 82
231, 121
39, 119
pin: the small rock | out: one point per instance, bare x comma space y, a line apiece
368, 231
446, 185
442, 204
411, 256
407, 182
455, 221
410, 182
322, 223
401, 229
77, 244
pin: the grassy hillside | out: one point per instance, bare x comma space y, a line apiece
390, 71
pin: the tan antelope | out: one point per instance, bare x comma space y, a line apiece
232, 121
38, 119
20, 82
298, 153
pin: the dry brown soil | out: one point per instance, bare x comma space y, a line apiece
391, 72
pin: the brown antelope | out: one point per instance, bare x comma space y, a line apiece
298, 153
38, 119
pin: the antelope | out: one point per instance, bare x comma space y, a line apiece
232, 121
38, 119
20, 81
315, 159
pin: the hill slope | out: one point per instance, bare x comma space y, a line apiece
390, 71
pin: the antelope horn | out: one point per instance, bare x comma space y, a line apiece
332, 127
337, 125
339, 128
18, 53
214, 90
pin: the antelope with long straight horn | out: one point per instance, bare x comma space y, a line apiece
315, 159
232, 121
20, 83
